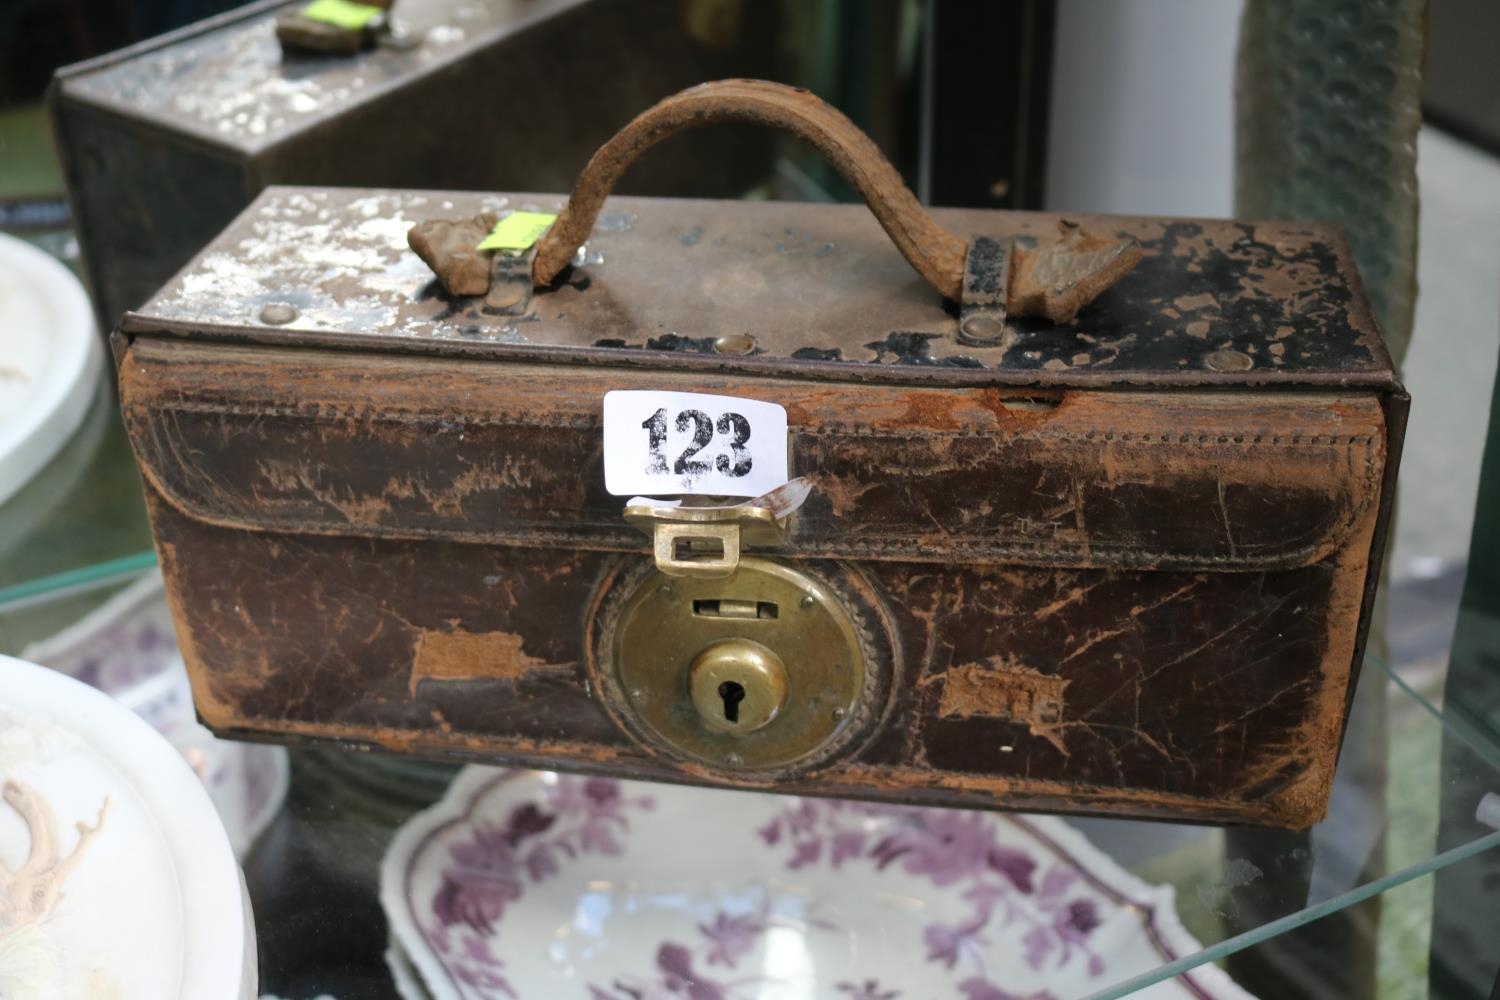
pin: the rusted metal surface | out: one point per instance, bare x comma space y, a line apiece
164, 142
819, 288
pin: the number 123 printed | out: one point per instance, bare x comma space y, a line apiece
659, 443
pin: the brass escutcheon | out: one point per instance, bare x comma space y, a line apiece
737, 685
754, 670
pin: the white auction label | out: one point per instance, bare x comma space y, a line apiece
662, 443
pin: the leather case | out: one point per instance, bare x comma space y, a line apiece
1120, 563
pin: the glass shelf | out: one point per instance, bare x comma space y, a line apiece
1252, 897
79, 524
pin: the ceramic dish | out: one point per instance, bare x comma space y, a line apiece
49, 360
405, 975
116, 877
126, 648
530, 884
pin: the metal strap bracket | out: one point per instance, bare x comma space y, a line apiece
982, 312
510, 283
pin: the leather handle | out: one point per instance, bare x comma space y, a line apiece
937, 254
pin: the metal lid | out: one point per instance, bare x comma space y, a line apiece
225, 82
781, 288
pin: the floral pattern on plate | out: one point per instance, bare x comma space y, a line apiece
524, 884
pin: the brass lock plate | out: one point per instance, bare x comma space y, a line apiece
757, 670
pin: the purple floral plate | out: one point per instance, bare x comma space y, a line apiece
523, 884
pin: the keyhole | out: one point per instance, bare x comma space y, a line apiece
733, 693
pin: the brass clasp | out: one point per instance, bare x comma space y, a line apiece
706, 541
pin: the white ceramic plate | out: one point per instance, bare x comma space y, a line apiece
126, 648
49, 360
408, 981
118, 880
531, 884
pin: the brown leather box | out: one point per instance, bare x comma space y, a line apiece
1122, 563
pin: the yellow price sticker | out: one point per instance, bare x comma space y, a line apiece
517, 231
342, 13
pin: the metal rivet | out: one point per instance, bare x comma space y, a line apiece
505, 297
665, 590
735, 343
983, 328
637, 694
278, 313
839, 713
807, 601
1228, 361
734, 760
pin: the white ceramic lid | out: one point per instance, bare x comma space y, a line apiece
116, 876
49, 360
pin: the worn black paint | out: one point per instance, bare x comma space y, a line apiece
818, 354
1242, 317
904, 348
676, 342
983, 270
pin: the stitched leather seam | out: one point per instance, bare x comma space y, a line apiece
533, 534
823, 430
910, 546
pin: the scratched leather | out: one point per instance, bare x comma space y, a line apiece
1200, 599
1092, 574
1210, 694
1146, 480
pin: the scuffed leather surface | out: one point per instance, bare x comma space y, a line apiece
1190, 694
1194, 614
1143, 479
1108, 572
